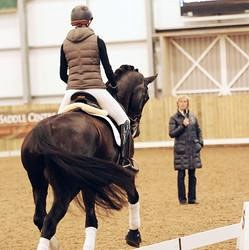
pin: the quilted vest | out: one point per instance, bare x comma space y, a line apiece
82, 54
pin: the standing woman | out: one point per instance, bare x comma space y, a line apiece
184, 127
81, 54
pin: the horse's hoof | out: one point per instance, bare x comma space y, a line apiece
133, 238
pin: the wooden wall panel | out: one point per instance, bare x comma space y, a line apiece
220, 117
16, 122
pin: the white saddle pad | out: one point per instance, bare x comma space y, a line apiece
95, 112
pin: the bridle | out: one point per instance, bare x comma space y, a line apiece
136, 115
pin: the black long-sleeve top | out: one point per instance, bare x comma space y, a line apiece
103, 58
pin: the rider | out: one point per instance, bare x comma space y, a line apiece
81, 53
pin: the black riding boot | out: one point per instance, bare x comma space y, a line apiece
125, 133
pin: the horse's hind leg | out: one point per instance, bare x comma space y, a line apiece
40, 195
133, 237
35, 169
62, 199
91, 223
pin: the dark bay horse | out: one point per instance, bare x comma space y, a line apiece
76, 153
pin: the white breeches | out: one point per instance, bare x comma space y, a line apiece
105, 100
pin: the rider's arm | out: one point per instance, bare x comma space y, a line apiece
175, 129
63, 66
105, 61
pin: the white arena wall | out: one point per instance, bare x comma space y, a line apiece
31, 40
121, 24
126, 26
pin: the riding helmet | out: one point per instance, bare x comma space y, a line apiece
81, 12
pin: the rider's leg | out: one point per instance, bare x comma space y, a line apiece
107, 102
125, 133
66, 99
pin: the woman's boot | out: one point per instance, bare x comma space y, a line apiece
125, 150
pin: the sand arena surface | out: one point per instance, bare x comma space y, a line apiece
223, 185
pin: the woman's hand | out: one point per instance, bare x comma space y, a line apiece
186, 122
113, 90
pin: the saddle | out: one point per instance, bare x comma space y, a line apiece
84, 97
87, 103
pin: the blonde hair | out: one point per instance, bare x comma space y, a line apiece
180, 97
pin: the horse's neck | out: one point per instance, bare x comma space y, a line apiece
124, 96
123, 102
125, 89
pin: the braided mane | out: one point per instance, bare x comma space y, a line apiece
122, 70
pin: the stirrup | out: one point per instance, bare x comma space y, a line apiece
129, 165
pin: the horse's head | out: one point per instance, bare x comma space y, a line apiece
133, 93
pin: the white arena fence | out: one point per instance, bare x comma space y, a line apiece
207, 142
159, 144
238, 231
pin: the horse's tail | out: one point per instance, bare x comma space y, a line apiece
109, 181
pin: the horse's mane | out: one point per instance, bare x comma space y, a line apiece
122, 70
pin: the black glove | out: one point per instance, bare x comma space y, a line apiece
113, 90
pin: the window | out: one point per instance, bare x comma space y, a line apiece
213, 7
8, 6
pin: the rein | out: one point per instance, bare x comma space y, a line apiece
136, 116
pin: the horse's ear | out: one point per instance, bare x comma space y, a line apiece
148, 80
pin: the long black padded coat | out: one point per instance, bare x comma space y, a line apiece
188, 141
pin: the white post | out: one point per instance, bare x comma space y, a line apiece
243, 240
24, 50
149, 39
224, 90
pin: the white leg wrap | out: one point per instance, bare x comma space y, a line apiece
43, 244
54, 244
134, 216
90, 236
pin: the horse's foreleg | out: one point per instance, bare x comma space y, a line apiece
134, 216
91, 223
133, 238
